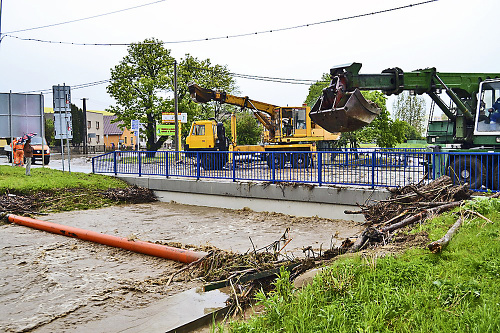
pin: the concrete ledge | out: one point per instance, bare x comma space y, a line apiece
280, 191
288, 198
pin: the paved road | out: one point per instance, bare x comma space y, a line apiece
77, 163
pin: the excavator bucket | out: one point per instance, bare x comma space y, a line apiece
199, 94
352, 112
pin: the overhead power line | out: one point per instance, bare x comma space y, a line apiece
242, 76
236, 35
85, 18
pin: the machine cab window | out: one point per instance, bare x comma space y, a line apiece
488, 114
300, 118
198, 130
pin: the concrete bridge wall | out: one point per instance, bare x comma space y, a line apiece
289, 198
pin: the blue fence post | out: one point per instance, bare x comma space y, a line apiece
140, 164
234, 167
320, 168
433, 167
166, 164
93, 167
115, 169
198, 162
273, 168
373, 169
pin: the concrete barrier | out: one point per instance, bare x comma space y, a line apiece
289, 198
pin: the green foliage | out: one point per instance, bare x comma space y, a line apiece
383, 131
484, 205
417, 291
138, 84
410, 109
316, 89
207, 75
247, 128
409, 132
77, 121
49, 132
143, 86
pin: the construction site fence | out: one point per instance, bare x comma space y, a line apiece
360, 167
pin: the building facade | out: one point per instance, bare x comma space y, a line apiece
95, 128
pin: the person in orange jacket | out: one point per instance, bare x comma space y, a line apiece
18, 153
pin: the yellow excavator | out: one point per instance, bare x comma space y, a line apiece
285, 129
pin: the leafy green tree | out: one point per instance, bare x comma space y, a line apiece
49, 132
248, 129
316, 89
139, 83
143, 86
382, 130
206, 75
409, 131
410, 109
77, 123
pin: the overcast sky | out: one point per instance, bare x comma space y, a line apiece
451, 35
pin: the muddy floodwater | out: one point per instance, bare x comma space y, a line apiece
51, 283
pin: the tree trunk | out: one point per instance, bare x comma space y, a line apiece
421, 215
440, 244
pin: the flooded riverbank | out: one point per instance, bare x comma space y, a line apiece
52, 283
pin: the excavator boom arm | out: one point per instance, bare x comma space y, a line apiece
264, 112
203, 95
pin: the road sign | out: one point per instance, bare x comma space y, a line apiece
165, 130
63, 126
134, 125
62, 98
169, 117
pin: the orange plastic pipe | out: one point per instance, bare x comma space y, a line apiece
152, 249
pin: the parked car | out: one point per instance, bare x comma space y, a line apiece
36, 143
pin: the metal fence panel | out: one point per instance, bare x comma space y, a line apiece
361, 167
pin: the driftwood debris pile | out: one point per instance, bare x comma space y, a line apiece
132, 194
407, 206
46, 201
17, 204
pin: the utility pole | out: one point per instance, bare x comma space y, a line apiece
1, 24
85, 150
176, 114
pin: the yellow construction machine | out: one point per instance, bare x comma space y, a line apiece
285, 129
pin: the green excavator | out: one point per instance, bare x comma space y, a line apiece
472, 121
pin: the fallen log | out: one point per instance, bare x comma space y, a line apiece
407, 221
358, 243
440, 244
369, 233
353, 211
425, 213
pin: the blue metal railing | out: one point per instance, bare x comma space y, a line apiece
363, 167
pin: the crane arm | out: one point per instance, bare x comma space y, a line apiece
264, 112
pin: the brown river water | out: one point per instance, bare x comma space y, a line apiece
50, 283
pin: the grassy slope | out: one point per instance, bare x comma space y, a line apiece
455, 291
48, 190
13, 180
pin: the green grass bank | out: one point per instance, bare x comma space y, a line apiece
48, 190
415, 291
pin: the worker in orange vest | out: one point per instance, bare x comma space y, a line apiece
18, 153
